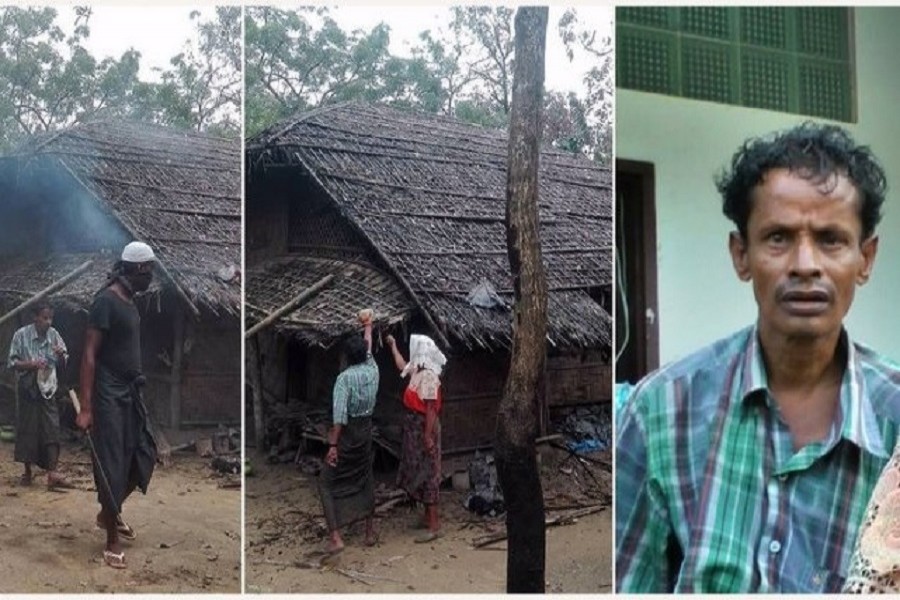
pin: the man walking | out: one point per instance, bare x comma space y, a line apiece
35, 353
112, 411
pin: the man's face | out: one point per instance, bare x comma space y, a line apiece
803, 253
43, 320
142, 278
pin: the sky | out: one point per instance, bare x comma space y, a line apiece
159, 32
407, 21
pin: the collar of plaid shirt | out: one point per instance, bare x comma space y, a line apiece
712, 497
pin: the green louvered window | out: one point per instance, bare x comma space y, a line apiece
791, 59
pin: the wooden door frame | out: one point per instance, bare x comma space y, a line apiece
648, 359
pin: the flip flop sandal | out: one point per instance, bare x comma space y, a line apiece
25, 481
429, 536
116, 561
124, 529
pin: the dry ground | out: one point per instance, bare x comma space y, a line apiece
284, 524
188, 531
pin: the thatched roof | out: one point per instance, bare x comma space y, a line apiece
428, 193
331, 313
20, 279
177, 190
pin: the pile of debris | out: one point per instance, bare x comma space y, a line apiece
299, 434
222, 447
586, 428
485, 497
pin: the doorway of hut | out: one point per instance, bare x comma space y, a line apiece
294, 383
637, 327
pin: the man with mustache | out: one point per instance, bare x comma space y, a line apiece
112, 410
747, 466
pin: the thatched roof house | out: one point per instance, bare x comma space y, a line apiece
178, 191
83, 192
407, 211
423, 199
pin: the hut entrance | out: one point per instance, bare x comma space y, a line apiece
637, 327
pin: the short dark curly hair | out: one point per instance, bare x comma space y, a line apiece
355, 350
812, 151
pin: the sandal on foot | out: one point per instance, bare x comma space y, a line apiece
114, 560
25, 480
124, 529
429, 536
372, 541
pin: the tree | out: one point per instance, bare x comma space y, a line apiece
517, 414
298, 60
597, 107
48, 80
202, 88
301, 59
491, 27
443, 59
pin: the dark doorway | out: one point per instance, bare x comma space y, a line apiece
637, 327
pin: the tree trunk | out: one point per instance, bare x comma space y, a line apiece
523, 393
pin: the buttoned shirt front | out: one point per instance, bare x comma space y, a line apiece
711, 495
27, 345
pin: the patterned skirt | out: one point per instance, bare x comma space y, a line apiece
347, 490
420, 472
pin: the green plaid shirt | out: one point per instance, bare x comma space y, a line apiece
710, 494
355, 391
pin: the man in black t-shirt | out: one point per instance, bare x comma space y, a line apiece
112, 410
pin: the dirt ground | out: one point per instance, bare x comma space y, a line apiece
188, 531
284, 528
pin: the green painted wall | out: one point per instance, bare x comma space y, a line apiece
688, 141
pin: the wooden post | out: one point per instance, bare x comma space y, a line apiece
177, 360
259, 421
290, 306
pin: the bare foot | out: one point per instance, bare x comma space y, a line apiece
57, 481
334, 548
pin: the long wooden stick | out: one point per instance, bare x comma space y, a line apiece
290, 306
566, 519
56, 285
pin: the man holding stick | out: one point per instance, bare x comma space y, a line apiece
112, 410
